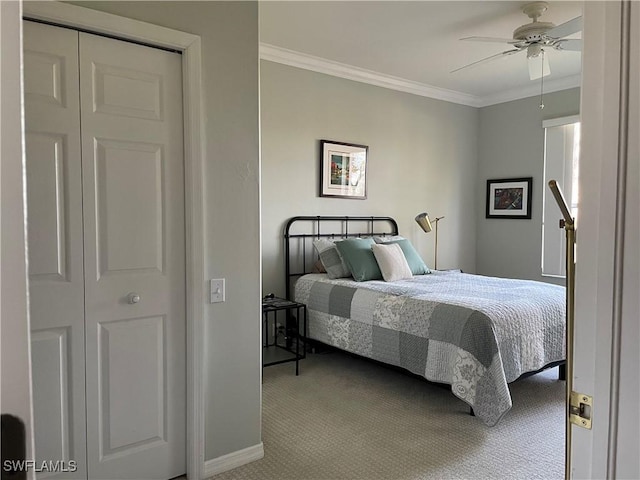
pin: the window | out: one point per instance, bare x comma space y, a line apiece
561, 163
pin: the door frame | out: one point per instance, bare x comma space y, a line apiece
16, 396
601, 272
190, 47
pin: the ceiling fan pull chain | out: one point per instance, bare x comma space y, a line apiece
541, 79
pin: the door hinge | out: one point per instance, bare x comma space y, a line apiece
580, 409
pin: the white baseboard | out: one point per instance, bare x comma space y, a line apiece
233, 460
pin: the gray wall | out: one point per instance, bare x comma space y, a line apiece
511, 145
422, 156
229, 32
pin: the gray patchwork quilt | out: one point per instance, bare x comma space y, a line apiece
472, 332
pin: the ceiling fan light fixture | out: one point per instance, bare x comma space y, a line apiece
534, 50
538, 65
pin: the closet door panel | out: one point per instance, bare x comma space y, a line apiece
106, 233
134, 259
54, 214
129, 213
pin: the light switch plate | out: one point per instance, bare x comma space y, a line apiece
217, 290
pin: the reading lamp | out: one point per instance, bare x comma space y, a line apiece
425, 224
568, 223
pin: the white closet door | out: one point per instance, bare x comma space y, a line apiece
54, 214
132, 156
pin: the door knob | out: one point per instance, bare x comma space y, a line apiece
133, 298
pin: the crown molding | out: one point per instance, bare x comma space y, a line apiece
342, 70
292, 58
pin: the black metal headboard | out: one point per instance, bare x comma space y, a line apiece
300, 232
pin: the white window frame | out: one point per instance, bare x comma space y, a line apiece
553, 238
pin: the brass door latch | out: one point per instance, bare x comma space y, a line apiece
580, 409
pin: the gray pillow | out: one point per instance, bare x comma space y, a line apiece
387, 238
357, 254
330, 258
416, 264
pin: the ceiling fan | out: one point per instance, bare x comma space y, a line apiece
534, 38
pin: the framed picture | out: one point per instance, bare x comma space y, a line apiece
343, 170
509, 198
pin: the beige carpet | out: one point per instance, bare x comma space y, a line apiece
347, 418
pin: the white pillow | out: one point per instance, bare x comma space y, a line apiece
391, 261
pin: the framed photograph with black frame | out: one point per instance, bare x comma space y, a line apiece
509, 198
343, 170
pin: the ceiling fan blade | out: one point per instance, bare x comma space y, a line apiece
565, 29
538, 67
488, 59
574, 45
510, 41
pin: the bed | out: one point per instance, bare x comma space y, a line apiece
474, 333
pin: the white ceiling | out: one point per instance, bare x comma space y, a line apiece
417, 42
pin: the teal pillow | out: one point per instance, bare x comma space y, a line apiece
357, 254
416, 264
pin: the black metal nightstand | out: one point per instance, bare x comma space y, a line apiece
284, 341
